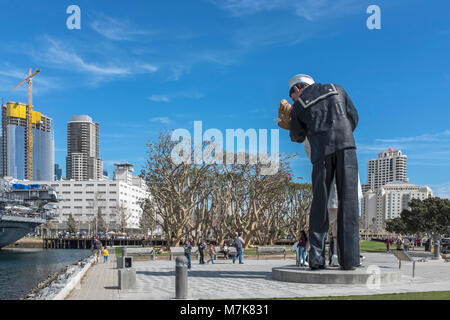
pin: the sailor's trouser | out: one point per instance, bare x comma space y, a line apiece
344, 165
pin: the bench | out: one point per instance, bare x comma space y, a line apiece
271, 250
231, 251
179, 251
146, 251
402, 255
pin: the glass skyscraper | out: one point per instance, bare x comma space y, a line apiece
14, 144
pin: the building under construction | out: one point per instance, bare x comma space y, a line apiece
14, 143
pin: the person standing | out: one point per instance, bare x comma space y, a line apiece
201, 248
399, 242
302, 249
239, 244
187, 252
212, 254
325, 115
388, 244
105, 255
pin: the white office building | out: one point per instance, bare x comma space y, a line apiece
388, 201
118, 200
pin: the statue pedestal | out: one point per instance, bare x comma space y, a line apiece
333, 275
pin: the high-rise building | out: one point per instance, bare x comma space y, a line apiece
388, 201
83, 160
389, 166
58, 172
15, 147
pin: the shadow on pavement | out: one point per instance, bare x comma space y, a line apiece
213, 274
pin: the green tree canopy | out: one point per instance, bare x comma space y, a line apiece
71, 224
431, 215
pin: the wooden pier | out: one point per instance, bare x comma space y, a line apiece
80, 243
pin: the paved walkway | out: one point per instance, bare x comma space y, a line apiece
99, 283
155, 280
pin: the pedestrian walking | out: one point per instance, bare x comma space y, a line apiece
201, 248
388, 245
187, 252
239, 244
94, 249
212, 254
105, 255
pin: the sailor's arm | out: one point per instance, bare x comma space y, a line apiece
298, 129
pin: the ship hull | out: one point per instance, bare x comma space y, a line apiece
15, 228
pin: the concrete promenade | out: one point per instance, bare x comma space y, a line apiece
224, 280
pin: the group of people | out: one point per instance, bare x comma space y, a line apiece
98, 250
202, 246
405, 244
301, 246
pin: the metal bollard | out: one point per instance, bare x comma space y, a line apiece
181, 278
437, 253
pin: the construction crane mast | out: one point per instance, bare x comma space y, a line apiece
29, 121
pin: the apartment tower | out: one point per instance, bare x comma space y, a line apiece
389, 166
83, 161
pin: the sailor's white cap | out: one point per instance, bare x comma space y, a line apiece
299, 78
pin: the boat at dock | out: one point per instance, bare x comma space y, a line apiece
23, 208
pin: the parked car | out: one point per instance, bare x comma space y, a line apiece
445, 245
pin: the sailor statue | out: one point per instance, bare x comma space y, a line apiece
323, 116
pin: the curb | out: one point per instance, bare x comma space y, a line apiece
72, 283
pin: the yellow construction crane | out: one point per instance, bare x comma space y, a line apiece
29, 121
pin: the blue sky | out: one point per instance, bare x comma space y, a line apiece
138, 67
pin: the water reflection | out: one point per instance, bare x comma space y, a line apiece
23, 269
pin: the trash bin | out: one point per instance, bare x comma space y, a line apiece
128, 263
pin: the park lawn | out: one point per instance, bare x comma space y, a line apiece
434, 295
372, 246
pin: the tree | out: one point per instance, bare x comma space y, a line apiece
123, 214
101, 224
296, 214
174, 188
71, 225
431, 215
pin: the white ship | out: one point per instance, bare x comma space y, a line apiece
23, 208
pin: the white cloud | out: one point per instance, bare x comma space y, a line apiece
169, 97
163, 120
428, 137
63, 57
159, 98
118, 29
308, 9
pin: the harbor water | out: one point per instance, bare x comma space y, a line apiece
23, 269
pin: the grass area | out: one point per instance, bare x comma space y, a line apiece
372, 246
434, 295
